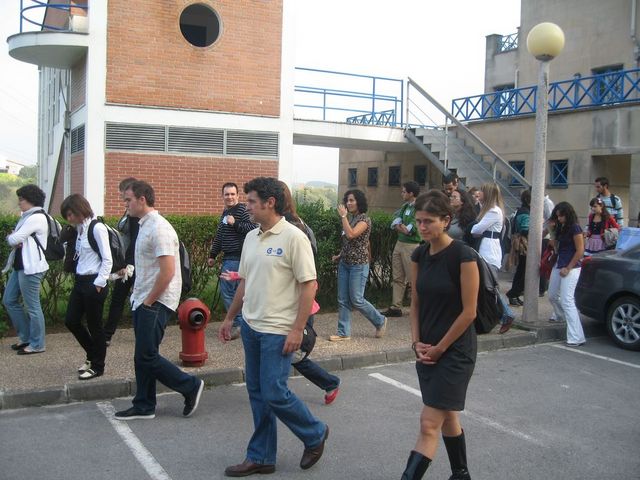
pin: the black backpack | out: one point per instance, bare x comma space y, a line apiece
55, 247
116, 245
185, 269
506, 233
489, 308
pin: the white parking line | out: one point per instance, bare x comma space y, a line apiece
601, 357
487, 421
140, 452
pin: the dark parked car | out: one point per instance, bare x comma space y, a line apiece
609, 289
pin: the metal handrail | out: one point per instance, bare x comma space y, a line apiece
496, 157
506, 43
349, 98
42, 4
582, 92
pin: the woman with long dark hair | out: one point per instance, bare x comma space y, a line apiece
599, 220
307, 367
353, 266
443, 307
464, 217
90, 284
569, 244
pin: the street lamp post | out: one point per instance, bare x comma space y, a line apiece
545, 41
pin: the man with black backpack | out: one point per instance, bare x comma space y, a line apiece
28, 265
128, 228
611, 201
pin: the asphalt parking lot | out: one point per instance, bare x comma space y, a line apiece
543, 411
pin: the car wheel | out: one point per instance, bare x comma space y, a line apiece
623, 322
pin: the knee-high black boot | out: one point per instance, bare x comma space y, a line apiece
457, 451
416, 466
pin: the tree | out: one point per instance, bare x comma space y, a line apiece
29, 173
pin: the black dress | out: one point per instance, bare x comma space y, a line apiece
444, 385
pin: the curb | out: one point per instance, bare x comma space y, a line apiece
69, 393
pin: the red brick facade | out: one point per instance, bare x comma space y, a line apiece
183, 184
77, 173
150, 63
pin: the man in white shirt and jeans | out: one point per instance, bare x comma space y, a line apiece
156, 294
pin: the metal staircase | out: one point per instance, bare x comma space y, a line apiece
451, 147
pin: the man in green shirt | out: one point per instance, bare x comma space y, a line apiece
404, 222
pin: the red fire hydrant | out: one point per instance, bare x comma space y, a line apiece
193, 316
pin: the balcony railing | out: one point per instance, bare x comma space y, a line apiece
347, 97
507, 43
55, 17
609, 88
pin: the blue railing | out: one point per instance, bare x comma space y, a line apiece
27, 13
386, 119
346, 97
581, 92
507, 43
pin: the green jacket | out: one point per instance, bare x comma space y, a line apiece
407, 216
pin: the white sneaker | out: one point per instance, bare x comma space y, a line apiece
84, 367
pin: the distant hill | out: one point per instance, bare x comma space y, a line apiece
321, 184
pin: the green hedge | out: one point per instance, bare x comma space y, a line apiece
197, 233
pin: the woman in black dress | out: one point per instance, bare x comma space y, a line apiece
443, 307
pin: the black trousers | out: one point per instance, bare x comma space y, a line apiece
517, 286
119, 295
85, 301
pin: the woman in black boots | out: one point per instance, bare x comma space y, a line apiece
443, 307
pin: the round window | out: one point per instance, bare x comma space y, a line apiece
199, 25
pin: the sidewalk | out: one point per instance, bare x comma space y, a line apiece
51, 377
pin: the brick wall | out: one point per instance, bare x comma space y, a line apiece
150, 63
77, 173
183, 184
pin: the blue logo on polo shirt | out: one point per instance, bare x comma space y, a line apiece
275, 252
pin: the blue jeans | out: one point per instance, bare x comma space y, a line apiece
508, 313
351, 282
29, 324
315, 373
148, 325
267, 371
228, 289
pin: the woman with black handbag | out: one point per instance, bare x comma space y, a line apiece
444, 339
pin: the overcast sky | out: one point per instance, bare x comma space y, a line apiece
440, 44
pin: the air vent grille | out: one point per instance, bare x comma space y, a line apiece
246, 143
77, 139
196, 140
126, 136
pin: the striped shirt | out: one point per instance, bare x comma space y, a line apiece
229, 238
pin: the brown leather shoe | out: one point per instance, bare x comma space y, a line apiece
311, 455
247, 468
504, 328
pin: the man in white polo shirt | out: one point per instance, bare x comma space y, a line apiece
276, 290
156, 294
